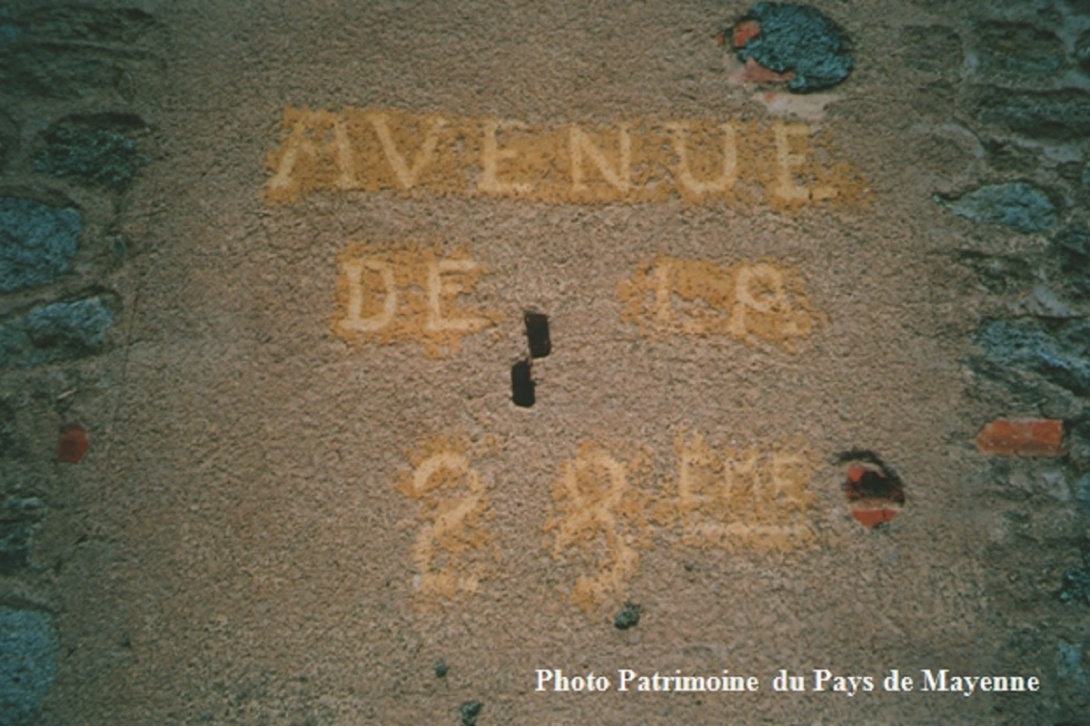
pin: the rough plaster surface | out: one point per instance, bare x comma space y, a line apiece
298, 504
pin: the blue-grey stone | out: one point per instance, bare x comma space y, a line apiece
15, 346
19, 520
1060, 356
1076, 586
55, 332
1057, 115
28, 643
9, 136
101, 157
1069, 664
37, 242
1018, 50
1082, 493
799, 38
1082, 50
77, 326
1018, 205
1072, 249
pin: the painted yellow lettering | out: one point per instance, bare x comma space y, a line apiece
407, 175
582, 147
354, 321
492, 155
679, 133
438, 288
787, 187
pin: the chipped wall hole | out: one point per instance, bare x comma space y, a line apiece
537, 334
522, 385
875, 493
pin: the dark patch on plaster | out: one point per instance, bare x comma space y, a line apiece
469, 711
537, 334
628, 616
522, 385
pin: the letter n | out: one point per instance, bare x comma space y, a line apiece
620, 178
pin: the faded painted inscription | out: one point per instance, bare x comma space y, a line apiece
701, 161
740, 498
598, 513
454, 548
747, 301
607, 507
731, 499
407, 292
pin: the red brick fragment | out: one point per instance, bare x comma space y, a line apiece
72, 444
872, 518
1022, 437
754, 72
744, 31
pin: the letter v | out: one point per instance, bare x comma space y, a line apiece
407, 175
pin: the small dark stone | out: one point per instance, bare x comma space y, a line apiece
9, 136
7, 430
628, 616
1076, 584
997, 273
19, 520
1082, 51
441, 668
801, 39
470, 711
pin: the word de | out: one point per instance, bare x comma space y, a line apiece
629, 161
408, 292
941, 680
748, 301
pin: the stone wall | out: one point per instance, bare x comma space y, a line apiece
71, 148
105, 577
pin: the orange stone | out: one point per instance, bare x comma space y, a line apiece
1022, 437
744, 31
872, 518
72, 444
754, 72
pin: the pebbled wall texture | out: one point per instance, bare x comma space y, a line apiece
429, 362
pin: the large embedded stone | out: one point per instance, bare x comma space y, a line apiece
1018, 205
29, 646
801, 40
37, 242
1054, 115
